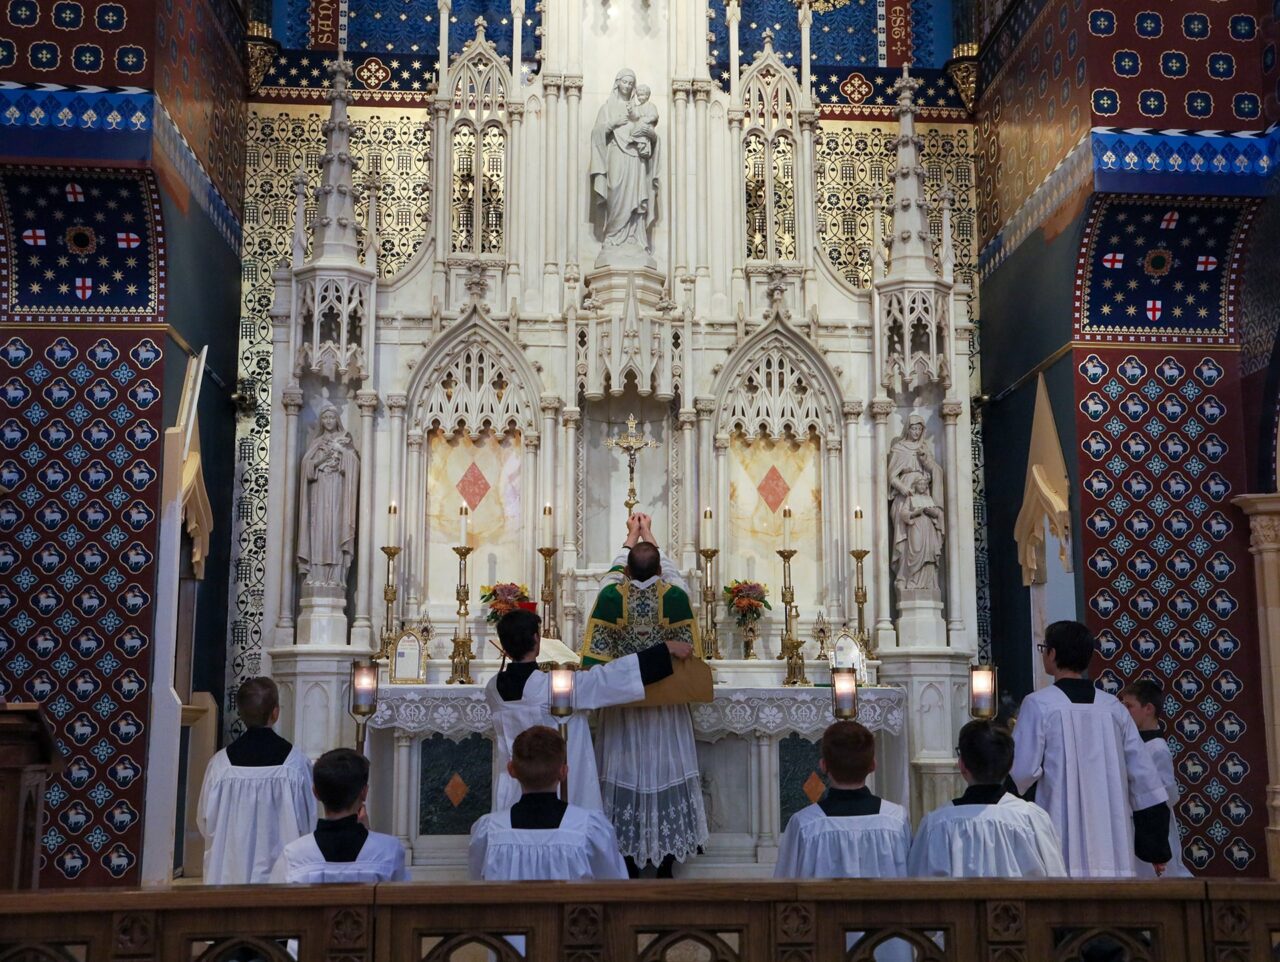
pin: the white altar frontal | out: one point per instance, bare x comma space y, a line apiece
622, 236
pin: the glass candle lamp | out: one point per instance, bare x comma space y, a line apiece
982, 691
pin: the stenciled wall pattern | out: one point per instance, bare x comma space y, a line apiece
281, 142
80, 457
1166, 579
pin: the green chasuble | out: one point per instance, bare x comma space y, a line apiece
627, 619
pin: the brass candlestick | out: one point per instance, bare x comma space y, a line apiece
792, 647
550, 629
388, 639
710, 634
460, 657
860, 597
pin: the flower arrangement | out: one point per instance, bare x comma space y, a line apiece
748, 600
504, 597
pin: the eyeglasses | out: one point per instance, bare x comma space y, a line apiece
957, 751
1042, 648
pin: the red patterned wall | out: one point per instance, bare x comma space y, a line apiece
78, 42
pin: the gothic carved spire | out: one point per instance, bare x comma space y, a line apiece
335, 240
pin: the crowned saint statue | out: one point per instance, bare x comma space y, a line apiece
915, 480
624, 181
327, 510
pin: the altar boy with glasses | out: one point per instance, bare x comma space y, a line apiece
849, 832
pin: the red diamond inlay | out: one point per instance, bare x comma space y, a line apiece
473, 486
813, 787
774, 489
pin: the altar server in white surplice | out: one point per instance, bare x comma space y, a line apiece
986, 832
541, 838
849, 832
342, 849
256, 796
518, 698
1142, 700
1080, 750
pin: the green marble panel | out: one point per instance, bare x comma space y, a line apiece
797, 767
456, 784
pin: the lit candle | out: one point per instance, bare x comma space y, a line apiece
708, 536
786, 527
561, 692
844, 693
392, 509
463, 514
857, 527
364, 687
982, 691
548, 535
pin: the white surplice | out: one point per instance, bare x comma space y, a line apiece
615, 683
1162, 758
247, 816
1091, 772
1010, 839
816, 845
583, 848
381, 859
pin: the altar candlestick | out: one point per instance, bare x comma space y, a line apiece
548, 534
786, 527
857, 527
463, 513
707, 536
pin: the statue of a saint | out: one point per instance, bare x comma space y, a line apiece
327, 506
915, 477
624, 180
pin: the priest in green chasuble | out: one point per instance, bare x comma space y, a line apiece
648, 762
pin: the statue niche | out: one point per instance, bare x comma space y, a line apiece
915, 479
624, 178
327, 503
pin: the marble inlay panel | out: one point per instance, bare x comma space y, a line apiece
456, 784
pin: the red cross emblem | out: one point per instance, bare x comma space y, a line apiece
1154, 310
84, 287
1113, 260
33, 237
1169, 220
127, 240
1206, 263
75, 193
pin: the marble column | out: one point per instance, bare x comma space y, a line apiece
737, 211
732, 17
442, 151
833, 565
571, 175
692, 510
292, 399
530, 507
516, 198
1264, 544
404, 792
851, 410
700, 212
550, 141
951, 411
878, 570
413, 572
362, 624
680, 90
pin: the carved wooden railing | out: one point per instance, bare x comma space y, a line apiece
977, 921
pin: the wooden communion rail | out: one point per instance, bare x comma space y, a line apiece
978, 921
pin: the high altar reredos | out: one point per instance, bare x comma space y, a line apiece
599, 255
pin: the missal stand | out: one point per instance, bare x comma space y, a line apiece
27, 758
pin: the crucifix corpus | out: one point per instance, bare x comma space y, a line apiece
632, 443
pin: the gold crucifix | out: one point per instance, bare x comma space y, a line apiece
633, 443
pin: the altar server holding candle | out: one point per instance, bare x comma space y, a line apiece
256, 796
519, 698
849, 832
1081, 751
986, 832
542, 837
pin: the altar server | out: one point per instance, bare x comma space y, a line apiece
1080, 750
518, 699
256, 796
649, 776
1142, 699
849, 832
342, 849
986, 832
541, 837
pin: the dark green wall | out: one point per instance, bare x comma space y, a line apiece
1027, 315
204, 308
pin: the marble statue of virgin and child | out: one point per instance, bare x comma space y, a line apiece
624, 174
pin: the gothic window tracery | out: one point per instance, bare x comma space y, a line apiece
478, 140
770, 100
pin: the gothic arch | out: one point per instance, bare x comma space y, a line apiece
776, 384
475, 378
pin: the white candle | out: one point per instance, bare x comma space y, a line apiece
786, 527
857, 527
548, 534
463, 514
708, 535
